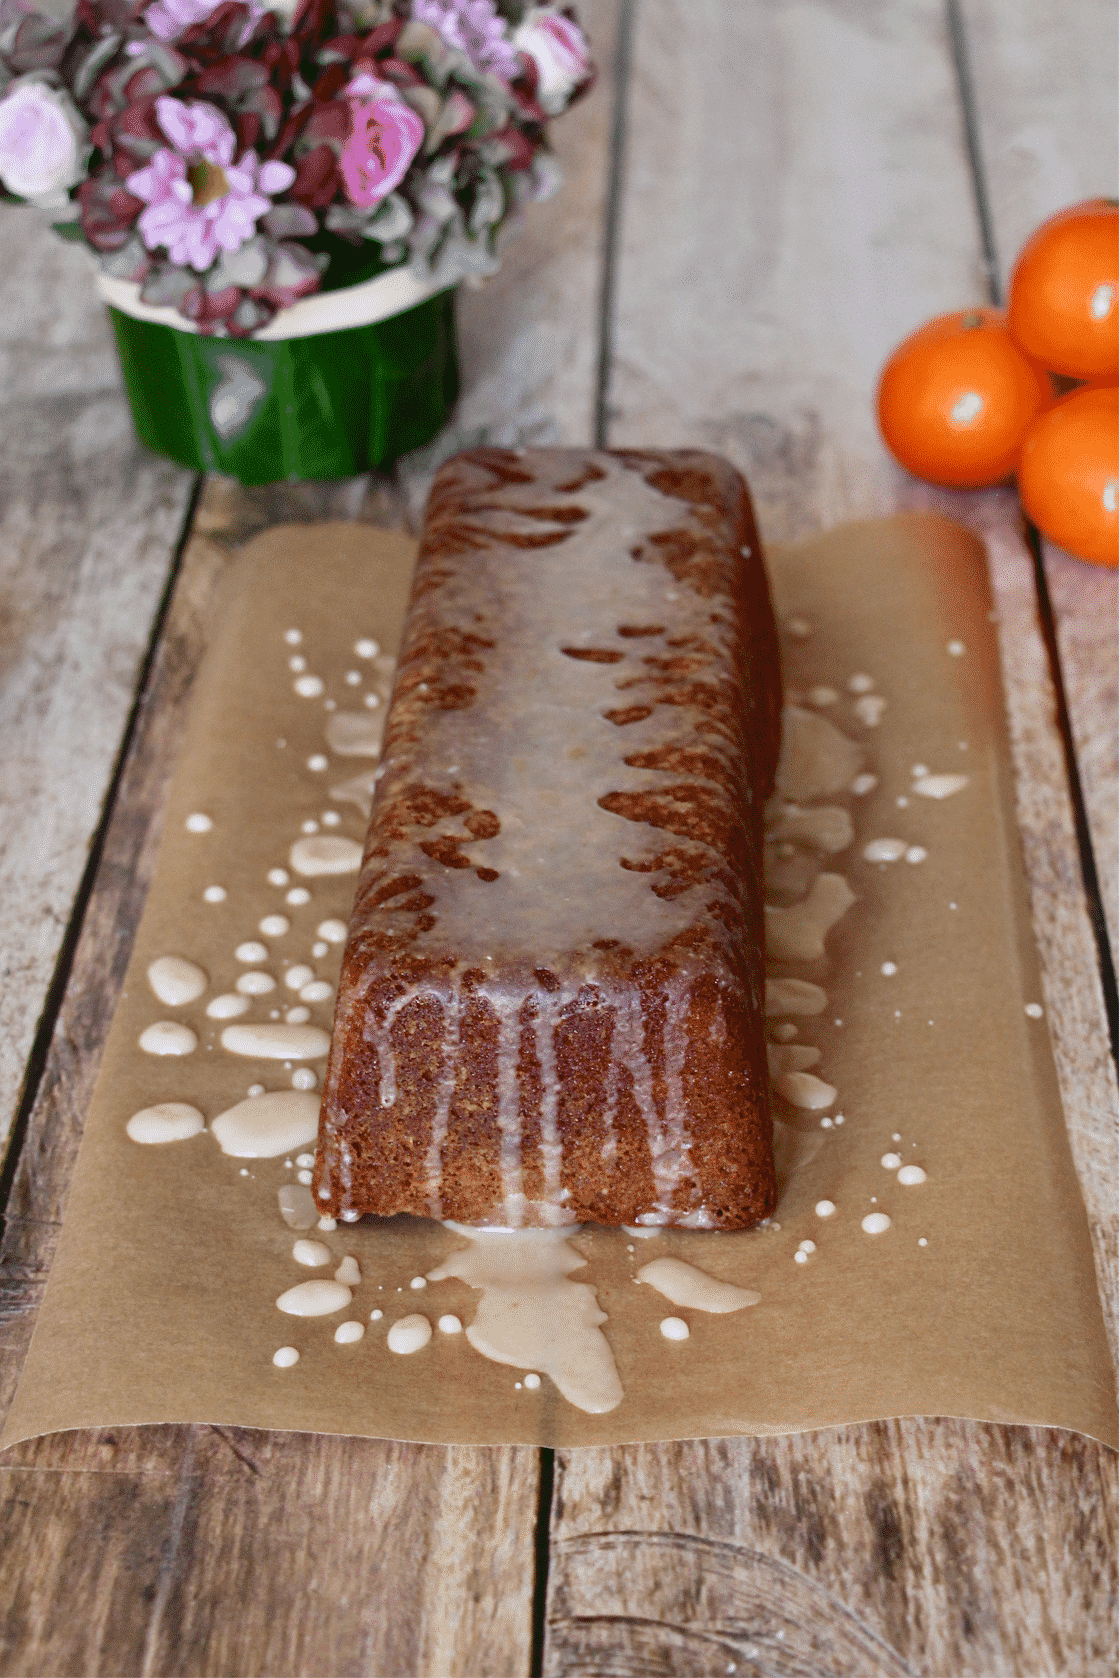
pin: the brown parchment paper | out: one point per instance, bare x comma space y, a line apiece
160, 1305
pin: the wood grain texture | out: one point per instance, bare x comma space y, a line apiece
88, 521
221, 1551
188, 1548
1066, 946
1047, 119
755, 320
197, 1551
797, 201
941, 1548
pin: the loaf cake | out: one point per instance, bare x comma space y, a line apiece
550, 1007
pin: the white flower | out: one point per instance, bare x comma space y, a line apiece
558, 48
43, 143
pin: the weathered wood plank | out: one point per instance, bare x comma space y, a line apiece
1047, 120
87, 528
940, 1548
798, 200
226, 1551
196, 1550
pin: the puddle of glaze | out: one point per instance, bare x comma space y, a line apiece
167, 1121
796, 1057
802, 1089
276, 1042
531, 1316
176, 981
910, 1175
794, 996
674, 1328
347, 1334
884, 850
297, 1205
793, 1150
356, 733
349, 1272
683, 1284
325, 853
816, 759
167, 1037
314, 1299
798, 933
828, 827
939, 786
263, 1126
870, 709
357, 790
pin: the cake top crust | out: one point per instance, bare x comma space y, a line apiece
565, 782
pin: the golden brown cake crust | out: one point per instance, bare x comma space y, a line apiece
550, 1002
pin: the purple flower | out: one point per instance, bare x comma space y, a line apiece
473, 27
199, 202
385, 135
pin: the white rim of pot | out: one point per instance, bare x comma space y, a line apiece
385, 295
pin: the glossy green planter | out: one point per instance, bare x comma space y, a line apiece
328, 406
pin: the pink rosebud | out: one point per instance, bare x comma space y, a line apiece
558, 48
43, 147
385, 135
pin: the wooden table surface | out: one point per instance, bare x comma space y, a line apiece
762, 197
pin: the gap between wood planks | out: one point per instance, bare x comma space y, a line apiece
990, 262
602, 419
60, 978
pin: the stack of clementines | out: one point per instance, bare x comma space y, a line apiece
978, 396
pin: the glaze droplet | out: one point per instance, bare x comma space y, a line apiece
168, 1037
314, 1299
409, 1334
167, 1121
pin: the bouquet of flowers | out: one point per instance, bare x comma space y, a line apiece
229, 158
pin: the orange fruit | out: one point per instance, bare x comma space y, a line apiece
1062, 306
956, 398
1068, 474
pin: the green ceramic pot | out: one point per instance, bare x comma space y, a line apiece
327, 406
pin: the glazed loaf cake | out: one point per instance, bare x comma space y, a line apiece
551, 996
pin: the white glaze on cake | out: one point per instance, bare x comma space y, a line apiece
534, 849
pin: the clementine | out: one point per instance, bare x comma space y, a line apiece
1068, 474
1062, 305
956, 398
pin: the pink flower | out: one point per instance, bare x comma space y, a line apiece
558, 48
473, 27
168, 19
197, 130
198, 201
43, 147
385, 135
